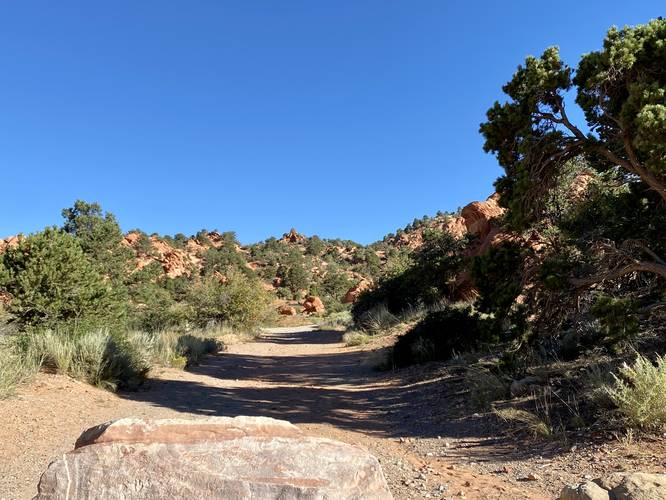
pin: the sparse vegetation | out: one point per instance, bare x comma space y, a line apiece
638, 392
355, 338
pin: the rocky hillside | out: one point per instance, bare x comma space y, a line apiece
305, 273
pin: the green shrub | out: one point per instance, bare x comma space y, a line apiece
617, 317
442, 334
424, 278
336, 320
52, 283
239, 301
100, 237
639, 393
497, 277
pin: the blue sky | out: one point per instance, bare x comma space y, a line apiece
343, 119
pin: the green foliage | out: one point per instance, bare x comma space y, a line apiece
176, 349
100, 238
222, 258
427, 277
332, 288
617, 317
485, 388
240, 301
497, 277
52, 282
314, 246
293, 274
442, 334
143, 245
639, 393
15, 368
621, 91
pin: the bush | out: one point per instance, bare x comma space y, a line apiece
639, 393
617, 317
337, 320
239, 301
497, 277
442, 334
97, 357
425, 278
52, 282
376, 320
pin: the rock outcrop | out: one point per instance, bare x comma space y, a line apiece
293, 236
619, 486
479, 215
215, 457
9, 242
313, 305
353, 293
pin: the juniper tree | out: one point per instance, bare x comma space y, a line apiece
621, 90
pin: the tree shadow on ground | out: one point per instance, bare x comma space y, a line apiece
339, 389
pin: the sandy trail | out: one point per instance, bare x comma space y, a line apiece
299, 374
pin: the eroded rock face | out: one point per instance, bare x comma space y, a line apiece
215, 457
478, 216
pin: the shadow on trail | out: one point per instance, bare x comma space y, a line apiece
337, 388
302, 337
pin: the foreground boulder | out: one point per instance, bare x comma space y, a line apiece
619, 486
215, 457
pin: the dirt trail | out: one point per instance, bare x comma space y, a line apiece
299, 374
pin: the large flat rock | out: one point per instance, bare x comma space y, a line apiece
216, 457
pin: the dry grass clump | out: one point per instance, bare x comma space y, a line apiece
355, 338
97, 357
14, 369
176, 349
523, 420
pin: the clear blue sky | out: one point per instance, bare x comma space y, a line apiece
345, 118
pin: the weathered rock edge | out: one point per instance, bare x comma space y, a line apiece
214, 457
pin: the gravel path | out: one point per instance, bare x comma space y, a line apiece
299, 374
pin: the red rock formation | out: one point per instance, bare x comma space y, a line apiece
292, 236
313, 305
352, 295
478, 216
10, 242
